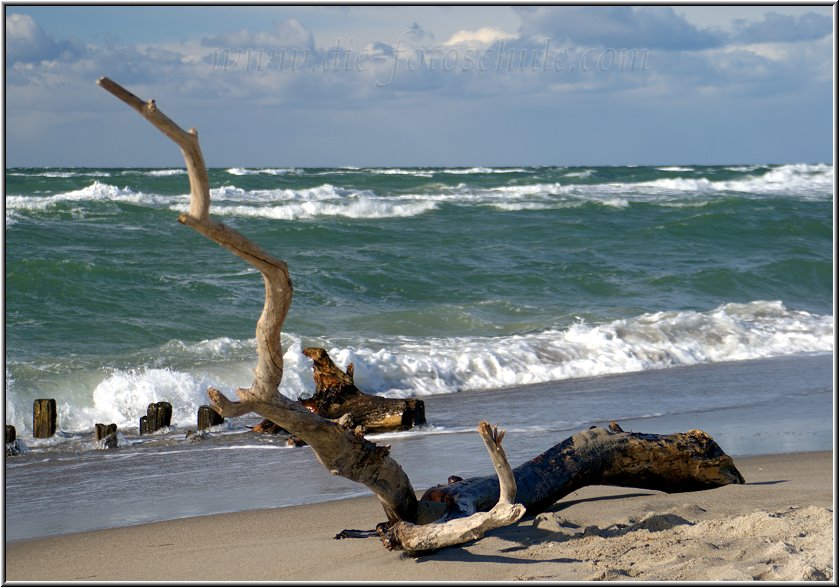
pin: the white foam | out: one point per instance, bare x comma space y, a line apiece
580, 174
96, 191
62, 174
731, 332
804, 180
484, 170
165, 172
397, 171
265, 171
675, 168
414, 366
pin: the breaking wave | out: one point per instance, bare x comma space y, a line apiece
417, 366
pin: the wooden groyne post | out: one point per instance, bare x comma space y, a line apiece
208, 417
108, 433
11, 434
158, 415
44, 418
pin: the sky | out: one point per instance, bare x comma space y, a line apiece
318, 86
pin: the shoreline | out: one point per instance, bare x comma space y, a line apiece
771, 406
776, 526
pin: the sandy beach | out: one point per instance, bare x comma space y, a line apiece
778, 526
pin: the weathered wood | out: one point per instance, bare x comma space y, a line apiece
278, 287
158, 416
208, 417
336, 394
672, 463
106, 433
11, 433
420, 538
268, 427
44, 418
680, 462
338, 448
103, 430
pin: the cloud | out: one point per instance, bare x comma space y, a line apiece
287, 34
482, 36
781, 28
26, 42
652, 27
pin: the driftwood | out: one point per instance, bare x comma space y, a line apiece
464, 509
336, 395
673, 463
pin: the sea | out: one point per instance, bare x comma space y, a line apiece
543, 299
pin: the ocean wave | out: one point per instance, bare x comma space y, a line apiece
398, 171
482, 170
731, 332
60, 174
797, 179
805, 181
95, 192
324, 200
579, 174
264, 171
355, 208
675, 168
415, 366
165, 172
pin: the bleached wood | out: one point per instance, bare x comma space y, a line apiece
681, 462
419, 538
338, 449
278, 287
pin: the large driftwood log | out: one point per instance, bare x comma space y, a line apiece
336, 395
463, 510
672, 463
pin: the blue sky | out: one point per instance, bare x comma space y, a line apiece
422, 85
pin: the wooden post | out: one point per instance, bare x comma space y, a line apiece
158, 415
11, 434
108, 433
44, 418
208, 417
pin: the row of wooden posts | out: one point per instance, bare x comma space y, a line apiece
158, 415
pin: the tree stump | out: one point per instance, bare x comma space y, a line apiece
44, 418
11, 434
158, 415
208, 417
336, 395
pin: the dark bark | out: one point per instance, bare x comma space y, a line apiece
672, 463
336, 395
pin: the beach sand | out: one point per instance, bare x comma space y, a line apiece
779, 526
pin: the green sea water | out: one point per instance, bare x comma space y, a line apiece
432, 280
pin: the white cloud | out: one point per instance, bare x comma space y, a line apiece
652, 27
243, 70
287, 34
26, 42
482, 36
